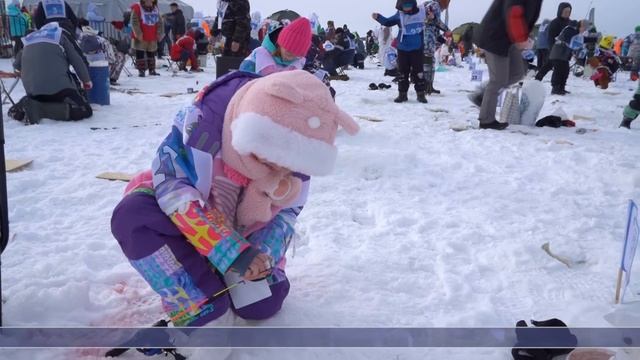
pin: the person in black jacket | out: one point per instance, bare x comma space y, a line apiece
560, 55
235, 20
555, 28
503, 34
179, 24
338, 55
58, 11
371, 43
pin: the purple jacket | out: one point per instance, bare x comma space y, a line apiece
188, 163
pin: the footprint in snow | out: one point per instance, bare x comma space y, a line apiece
371, 173
363, 217
404, 221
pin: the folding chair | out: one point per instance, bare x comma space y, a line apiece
6, 93
171, 65
132, 56
127, 71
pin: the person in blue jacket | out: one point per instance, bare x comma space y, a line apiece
542, 43
410, 18
18, 25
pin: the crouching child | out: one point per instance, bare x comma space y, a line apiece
226, 187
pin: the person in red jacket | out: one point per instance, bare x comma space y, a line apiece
503, 34
182, 51
147, 30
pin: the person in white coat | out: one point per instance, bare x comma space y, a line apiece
384, 42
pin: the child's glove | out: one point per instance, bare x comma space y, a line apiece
88, 85
634, 76
253, 264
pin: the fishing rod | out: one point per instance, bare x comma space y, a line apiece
165, 323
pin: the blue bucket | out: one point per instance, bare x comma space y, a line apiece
99, 94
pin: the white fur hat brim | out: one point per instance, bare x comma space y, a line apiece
257, 134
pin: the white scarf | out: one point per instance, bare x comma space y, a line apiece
222, 10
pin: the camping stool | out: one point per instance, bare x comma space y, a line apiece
127, 71
341, 70
7, 92
132, 55
171, 65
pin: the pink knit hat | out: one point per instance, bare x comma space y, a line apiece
296, 38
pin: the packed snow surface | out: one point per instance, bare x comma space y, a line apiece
418, 226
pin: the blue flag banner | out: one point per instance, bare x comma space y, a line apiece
632, 236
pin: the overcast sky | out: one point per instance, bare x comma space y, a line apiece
616, 17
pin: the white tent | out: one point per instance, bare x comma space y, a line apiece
112, 10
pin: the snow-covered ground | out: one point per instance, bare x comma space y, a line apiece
418, 226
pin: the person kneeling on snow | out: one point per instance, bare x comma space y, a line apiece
183, 51
605, 65
224, 192
338, 54
52, 90
285, 48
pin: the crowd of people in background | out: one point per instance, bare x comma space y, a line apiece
563, 46
284, 102
51, 40
410, 56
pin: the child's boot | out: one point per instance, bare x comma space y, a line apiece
422, 97
626, 123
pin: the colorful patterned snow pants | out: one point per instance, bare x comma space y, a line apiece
184, 279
